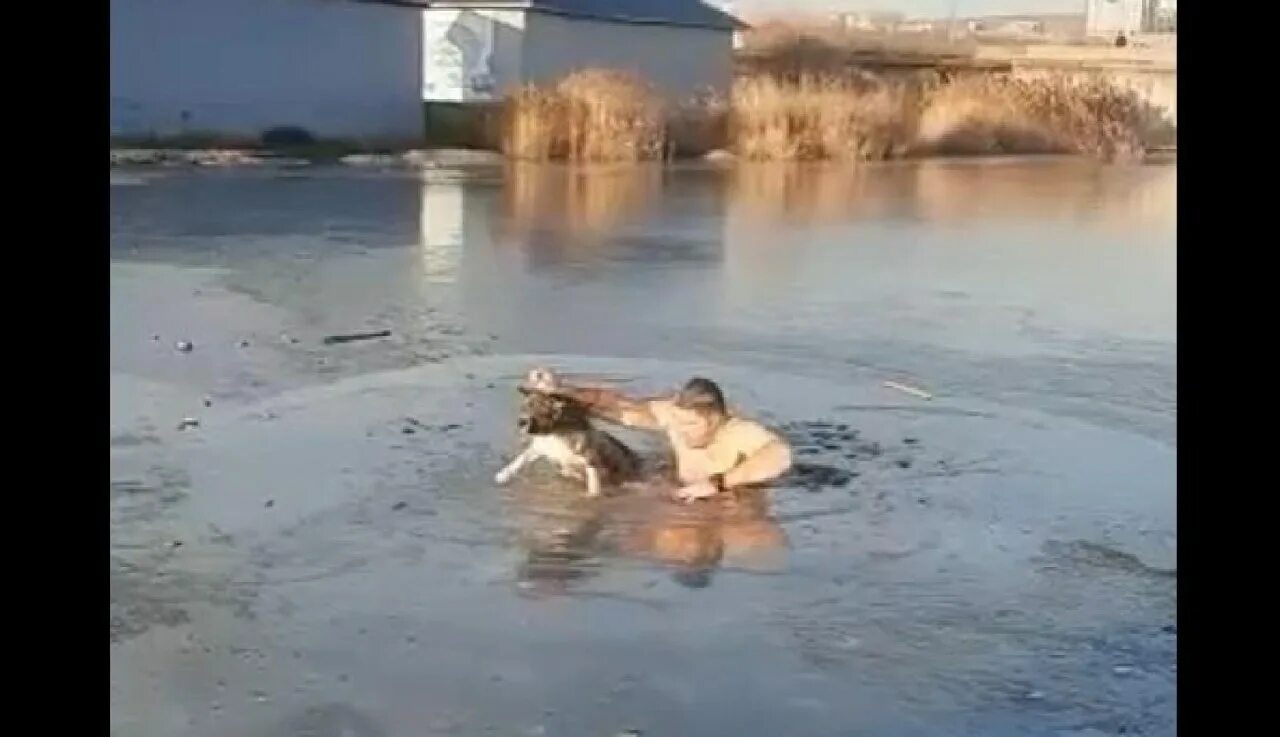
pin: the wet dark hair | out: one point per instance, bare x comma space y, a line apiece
702, 395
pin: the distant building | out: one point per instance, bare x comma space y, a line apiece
868, 21
337, 68
1022, 27
1166, 17
1007, 26
474, 51
915, 26
1113, 17
1047, 25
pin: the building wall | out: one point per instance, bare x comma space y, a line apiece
679, 61
1109, 17
729, 7
335, 67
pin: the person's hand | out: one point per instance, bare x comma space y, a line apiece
698, 490
541, 379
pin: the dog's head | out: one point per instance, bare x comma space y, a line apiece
544, 414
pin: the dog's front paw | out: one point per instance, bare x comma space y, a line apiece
501, 478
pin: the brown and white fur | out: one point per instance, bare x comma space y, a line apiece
559, 429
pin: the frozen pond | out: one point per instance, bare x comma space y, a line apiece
326, 554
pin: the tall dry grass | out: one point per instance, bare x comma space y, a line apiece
821, 117
999, 113
595, 115
830, 117
599, 116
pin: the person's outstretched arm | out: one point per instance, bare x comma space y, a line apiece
607, 404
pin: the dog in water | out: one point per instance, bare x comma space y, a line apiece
559, 430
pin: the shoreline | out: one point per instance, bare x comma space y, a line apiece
131, 157
251, 157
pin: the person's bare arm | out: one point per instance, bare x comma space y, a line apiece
763, 456
614, 406
607, 404
766, 464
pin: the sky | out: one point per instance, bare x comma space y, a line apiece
915, 8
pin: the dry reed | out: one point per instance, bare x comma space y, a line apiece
998, 113
831, 117
599, 116
820, 118
595, 115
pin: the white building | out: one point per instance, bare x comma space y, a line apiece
1007, 26
727, 7
1166, 16
869, 21
338, 68
1112, 17
915, 26
475, 50
362, 69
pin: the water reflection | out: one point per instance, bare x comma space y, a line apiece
953, 190
441, 230
576, 206
796, 192
578, 201
593, 215
1071, 189
737, 531
568, 538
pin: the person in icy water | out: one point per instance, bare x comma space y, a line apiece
715, 450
